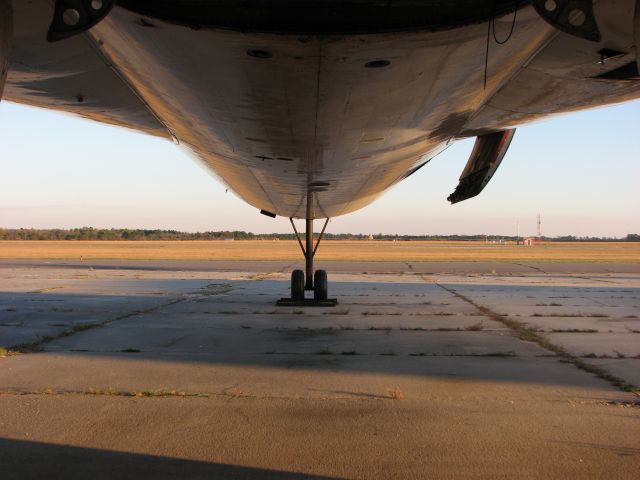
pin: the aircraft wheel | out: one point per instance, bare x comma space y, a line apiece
297, 285
320, 285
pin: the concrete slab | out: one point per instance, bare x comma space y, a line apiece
585, 324
195, 372
607, 344
114, 437
627, 368
34, 307
458, 378
582, 314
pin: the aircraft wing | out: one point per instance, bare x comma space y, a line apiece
71, 76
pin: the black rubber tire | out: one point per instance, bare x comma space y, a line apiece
297, 285
320, 285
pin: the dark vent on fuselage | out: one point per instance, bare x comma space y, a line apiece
625, 72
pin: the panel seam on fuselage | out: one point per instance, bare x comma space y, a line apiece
554, 34
94, 44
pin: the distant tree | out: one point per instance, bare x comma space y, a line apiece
90, 233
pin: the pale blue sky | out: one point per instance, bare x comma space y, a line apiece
580, 171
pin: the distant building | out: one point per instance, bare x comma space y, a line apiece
370, 236
529, 242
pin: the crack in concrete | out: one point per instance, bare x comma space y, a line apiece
235, 393
387, 353
259, 277
287, 268
584, 277
230, 394
49, 289
531, 267
525, 333
39, 345
212, 289
109, 392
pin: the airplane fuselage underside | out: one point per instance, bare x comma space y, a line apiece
342, 115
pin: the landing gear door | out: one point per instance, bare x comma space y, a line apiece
485, 158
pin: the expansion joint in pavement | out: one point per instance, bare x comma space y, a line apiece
39, 345
527, 334
228, 394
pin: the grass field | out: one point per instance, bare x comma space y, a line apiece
414, 251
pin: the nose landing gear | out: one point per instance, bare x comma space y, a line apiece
308, 280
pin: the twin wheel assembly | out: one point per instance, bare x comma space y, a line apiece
320, 285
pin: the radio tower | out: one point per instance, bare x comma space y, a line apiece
539, 223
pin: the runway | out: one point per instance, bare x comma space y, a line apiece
158, 369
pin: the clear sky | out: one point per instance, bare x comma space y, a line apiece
581, 172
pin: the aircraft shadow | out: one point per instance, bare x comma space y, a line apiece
23, 460
250, 331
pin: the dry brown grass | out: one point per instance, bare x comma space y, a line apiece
415, 251
396, 393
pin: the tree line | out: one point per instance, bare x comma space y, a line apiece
90, 233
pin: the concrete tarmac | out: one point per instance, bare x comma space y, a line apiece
118, 369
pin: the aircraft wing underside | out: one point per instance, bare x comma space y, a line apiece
343, 115
72, 76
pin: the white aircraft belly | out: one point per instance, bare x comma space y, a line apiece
268, 127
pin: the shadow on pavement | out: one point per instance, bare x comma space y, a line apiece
26, 460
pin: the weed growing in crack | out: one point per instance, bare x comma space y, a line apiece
476, 327
574, 330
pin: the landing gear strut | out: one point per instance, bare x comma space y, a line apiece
309, 280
